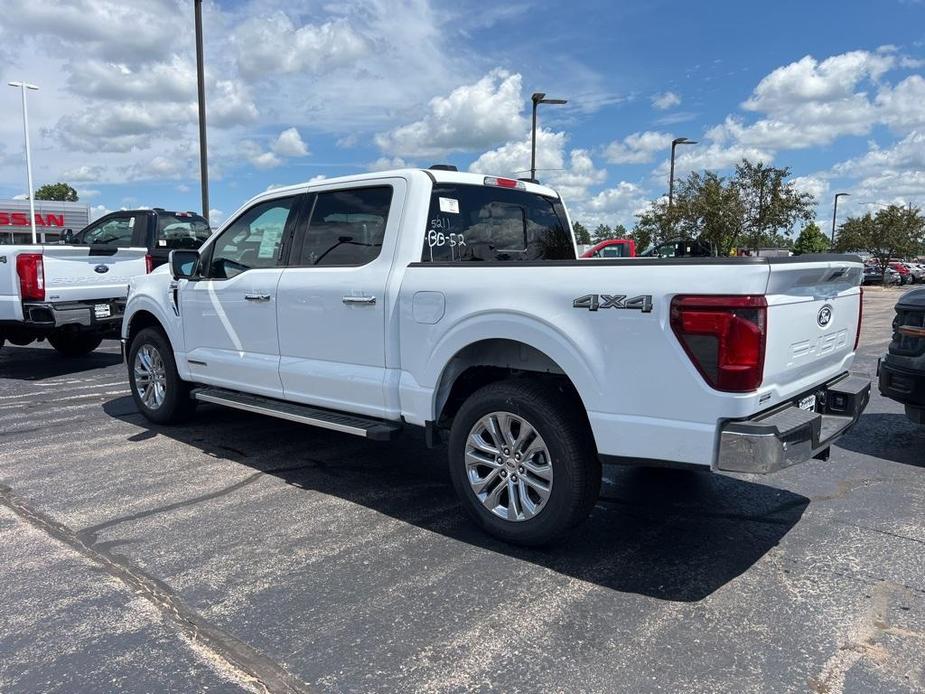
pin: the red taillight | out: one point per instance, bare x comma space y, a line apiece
149, 263
31, 270
857, 336
724, 336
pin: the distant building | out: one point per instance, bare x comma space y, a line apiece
51, 219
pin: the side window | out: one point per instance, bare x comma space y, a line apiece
181, 231
252, 241
347, 227
479, 223
116, 232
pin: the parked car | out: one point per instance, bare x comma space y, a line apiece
454, 303
682, 248
874, 274
904, 275
902, 370
917, 272
612, 248
157, 230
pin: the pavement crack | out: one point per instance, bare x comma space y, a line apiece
251, 666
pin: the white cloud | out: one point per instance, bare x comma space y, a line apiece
637, 148
907, 155
387, 163
172, 80
273, 44
229, 104
665, 100
290, 144
216, 218
471, 117
572, 175
97, 211
817, 186
903, 106
617, 205
84, 172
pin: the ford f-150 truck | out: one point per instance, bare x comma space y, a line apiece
455, 302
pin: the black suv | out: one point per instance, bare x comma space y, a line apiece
157, 229
902, 370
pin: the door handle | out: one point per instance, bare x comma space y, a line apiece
369, 300
259, 298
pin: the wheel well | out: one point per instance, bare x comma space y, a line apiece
140, 321
488, 361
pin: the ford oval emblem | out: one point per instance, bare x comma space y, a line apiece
101, 269
825, 316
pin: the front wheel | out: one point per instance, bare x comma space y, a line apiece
71, 344
523, 463
157, 389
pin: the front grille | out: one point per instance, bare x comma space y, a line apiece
908, 345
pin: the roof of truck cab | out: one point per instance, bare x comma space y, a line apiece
437, 175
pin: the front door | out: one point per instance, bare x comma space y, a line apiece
334, 297
230, 315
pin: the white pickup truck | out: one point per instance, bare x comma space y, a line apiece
454, 302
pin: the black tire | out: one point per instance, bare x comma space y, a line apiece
176, 405
69, 344
576, 478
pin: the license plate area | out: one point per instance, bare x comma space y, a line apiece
102, 311
808, 403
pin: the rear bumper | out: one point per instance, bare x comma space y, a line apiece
81, 314
786, 436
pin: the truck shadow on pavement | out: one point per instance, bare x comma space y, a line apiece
668, 534
37, 364
887, 435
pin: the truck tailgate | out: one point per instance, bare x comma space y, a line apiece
75, 273
813, 316
10, 307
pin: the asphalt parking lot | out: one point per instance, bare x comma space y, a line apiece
247, 553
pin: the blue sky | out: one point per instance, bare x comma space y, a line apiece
302, 89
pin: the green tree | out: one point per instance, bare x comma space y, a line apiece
811, 240
56, 191
894, 232
581, 233
602, 233
772, 204
642, 236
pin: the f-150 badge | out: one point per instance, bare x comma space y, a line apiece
596, 302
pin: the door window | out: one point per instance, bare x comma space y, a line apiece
347, 227
253, 240
115, 232
181, 230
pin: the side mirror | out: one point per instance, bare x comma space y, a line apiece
184, 264
67, 236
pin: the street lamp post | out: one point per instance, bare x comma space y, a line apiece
23, 86
835, 213
674, 143
538, 98
201, 88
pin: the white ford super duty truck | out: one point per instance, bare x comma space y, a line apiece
454, 302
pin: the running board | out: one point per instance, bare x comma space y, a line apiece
372, 429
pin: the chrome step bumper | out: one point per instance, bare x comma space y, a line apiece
786, 436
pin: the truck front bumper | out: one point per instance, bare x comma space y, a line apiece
789, 435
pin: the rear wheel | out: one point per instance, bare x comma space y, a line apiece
523, 463
71, 344
159, 392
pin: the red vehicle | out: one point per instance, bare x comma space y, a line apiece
904, 273
612, 248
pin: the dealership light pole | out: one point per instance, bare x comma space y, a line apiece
538, 98
835, 212
674, 143
201, 86
23, 86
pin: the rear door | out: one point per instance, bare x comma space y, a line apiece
230, 315
813, 316
333, 304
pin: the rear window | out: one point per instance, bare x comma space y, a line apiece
479, 223
181, 231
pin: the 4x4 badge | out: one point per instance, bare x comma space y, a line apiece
596, 302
